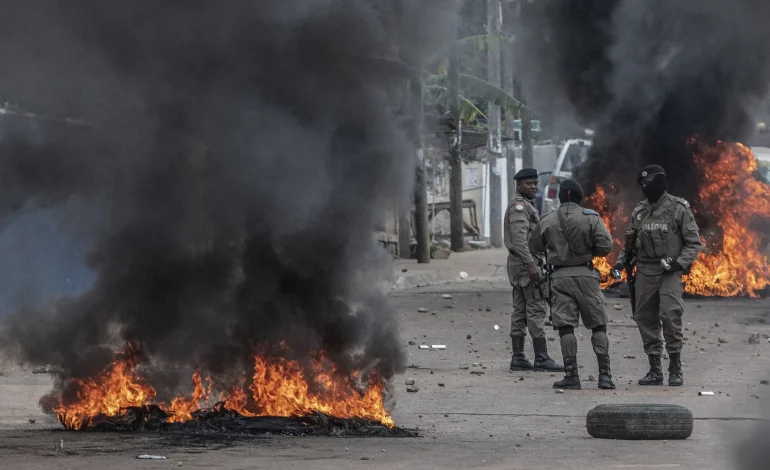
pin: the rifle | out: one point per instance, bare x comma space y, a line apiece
630, 263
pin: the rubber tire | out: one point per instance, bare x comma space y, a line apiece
639, 422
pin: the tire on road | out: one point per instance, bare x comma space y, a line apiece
639, 422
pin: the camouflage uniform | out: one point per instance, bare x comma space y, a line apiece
573, 236
529, 302
666, 229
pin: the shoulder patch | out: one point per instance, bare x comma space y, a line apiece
590, 212
682, 201
518, 206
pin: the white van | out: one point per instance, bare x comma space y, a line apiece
762, 154
573, 153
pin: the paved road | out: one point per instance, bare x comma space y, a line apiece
495, 420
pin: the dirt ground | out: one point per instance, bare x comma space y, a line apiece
495, 420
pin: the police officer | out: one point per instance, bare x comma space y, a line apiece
665, 241
524, 274
573, 236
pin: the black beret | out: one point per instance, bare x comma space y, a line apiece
650, 170
526, 174
573, 186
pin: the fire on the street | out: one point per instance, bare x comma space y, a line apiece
733, 262
279, 388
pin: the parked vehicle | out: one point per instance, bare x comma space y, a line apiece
573, 153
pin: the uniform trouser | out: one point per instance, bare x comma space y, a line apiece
575, 298
529, 312
659, 305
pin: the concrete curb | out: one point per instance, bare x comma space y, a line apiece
434, 278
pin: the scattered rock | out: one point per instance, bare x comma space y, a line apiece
518, 445
618, 307
403, 270
413, 389
31, 420
551, 338
722, 340
469, 337
489, 309
521, 379
422, 310
446, 296
629, 357
591, 378
1, 374
441, 384
409, 382
764, 382
364, 458
40, 370
465, 365
754, 338
477, 372
559, 391
449, 306
412, 343
716, 325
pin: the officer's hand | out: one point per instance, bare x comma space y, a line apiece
675, 266
534, 272
619, 266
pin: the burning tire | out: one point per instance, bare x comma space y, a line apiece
639, 422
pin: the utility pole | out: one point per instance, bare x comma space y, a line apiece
508, 80
527, 151
494, 140
456, 228
420, 192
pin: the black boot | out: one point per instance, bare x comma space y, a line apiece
605, 377
655, 375
543, 362
571, 378
519, 360
675, 375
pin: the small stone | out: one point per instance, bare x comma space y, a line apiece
722, 340
618, 307
422, 310
412, 343
528, 435
521, 379
754, 338
446, 296
412, 389
551, 338
518, 445
477, 372
489, 309
468, 337
476, 364
559, 391
591, 378
433, 313
364, 458
31, 420
441, 384
629, 357
716, 325
764, 382
383, 450
409, 382
449, 306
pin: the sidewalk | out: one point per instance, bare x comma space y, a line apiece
486, 264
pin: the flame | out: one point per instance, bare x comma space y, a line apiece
733, 262
279, 387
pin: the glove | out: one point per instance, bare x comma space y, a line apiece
534, 272
619, 266
675, 266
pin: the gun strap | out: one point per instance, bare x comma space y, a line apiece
567, 233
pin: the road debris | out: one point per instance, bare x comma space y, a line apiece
468, 337
754, 338
629, 357
409, 382
423, 346
497, 327
721, 340
463, 275
446, 296
31, 420
412, 389
465, 365
559, 391
591, 378
477, 372
438, 347
151, 457
705, 394
364, 458
441, 384
764, 382
618, 307
422, 310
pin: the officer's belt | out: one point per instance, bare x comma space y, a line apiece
589, 265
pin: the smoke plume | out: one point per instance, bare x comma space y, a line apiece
648, 76
234, 161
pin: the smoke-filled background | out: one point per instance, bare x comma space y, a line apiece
647, 76
224, 190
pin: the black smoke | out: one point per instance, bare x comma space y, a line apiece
236, 159
648, 76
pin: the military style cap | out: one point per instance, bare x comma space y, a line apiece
573, 186
650, 170
526, 174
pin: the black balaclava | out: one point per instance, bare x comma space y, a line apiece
657, 185
570, 191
